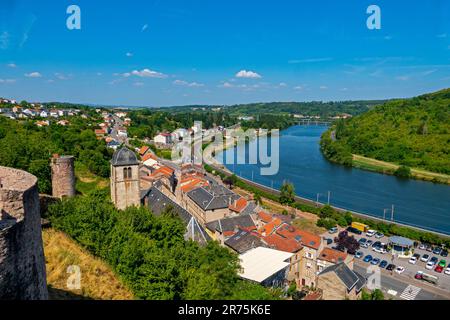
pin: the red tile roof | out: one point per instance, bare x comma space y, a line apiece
279, 243
143, 150
148, 156
239, 205
270, 227
265, 216
333, 256
308, 239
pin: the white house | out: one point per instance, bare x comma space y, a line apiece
163, 138
44, 114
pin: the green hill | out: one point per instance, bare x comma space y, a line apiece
411, 133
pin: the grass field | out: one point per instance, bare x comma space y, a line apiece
97, 279
389, 168
87, 181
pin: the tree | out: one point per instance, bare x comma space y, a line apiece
343, 240
287, 195
257, 198
231, 180
403, 172
326, 212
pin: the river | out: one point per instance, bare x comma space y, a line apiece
416, 203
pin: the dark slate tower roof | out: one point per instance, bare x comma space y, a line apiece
124, 157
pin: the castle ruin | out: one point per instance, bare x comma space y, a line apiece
22, 262
63, 176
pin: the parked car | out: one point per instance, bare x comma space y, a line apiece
333, 230
434, 260
383, 264
370, 233
400, 269
359, 255
422, 246
390, 267
447, 270
413, 260
380, 249
375, 261
437, 250
364, 245
376, 244
362, 240
368, 258
379, 235
369, 243
328, 241
439, 269
425, 258
354, 230
444, 253
429, 248
442, 263
430, 265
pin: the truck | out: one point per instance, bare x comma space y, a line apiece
420, 275
360, 226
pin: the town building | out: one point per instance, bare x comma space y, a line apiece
265, 266
339, 282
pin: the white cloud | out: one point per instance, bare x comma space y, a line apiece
312, 60
442, 35
99, 74
323, 87
428, 72
402, 78
7, 81
344, 89
33, 75
129, 54
144, 27
188, 84
145, 73
138, 84
227, 85
298, 88
247, 74
388, 38
11, 65
282, 84
61, 76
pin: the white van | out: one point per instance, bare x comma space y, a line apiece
370, 233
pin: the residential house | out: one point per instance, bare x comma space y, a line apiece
243, 241
163, 138
223, 229
339, 282
329, 257
210, 203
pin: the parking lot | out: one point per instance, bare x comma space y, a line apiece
410, 269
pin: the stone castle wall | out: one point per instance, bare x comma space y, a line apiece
22, 263
63, 176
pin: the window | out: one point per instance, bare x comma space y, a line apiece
127, 173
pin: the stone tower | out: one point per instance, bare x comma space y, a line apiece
125, 190
63, 176
22, 263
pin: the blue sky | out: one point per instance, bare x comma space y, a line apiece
167, 52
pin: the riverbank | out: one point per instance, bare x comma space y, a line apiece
341, 154
383, 167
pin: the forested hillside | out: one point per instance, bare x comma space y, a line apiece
409, 132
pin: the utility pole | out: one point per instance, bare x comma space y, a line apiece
384, 214
317, 201
392, 213
329, 196
252, 175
